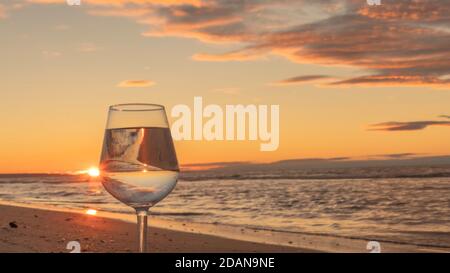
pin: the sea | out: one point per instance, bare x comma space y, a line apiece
377, 204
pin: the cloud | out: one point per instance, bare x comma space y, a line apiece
390, 80
406, 126
400, 43
123, 12
409, 126
9, 6
301, 79
88, 47
2, 11
51, 54
313, 168
411, 11
237, 56
136, 83
120, 3
400, 155
405, 45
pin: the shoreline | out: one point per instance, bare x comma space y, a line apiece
24, 229
246, 177
224, 238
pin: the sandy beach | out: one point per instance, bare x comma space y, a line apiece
44, 229
36, 230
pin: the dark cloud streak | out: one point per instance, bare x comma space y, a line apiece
302, 79
406, 126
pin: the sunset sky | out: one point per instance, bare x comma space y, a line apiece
351, 79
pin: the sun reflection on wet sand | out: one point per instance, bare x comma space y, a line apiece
91, 212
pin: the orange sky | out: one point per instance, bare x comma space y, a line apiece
336, 70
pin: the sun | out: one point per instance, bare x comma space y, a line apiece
94, 172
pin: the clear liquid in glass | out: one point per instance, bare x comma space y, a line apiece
139, 165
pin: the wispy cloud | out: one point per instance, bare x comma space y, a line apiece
392, 80
408, 125
414, 50
51, 54
401, 42
121, 3
400, 155
88, 47
2, 11
8, 6
247, 169
136, 83
301, 79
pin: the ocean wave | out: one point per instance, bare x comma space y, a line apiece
404, 210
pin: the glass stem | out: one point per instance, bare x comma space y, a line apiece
142, 229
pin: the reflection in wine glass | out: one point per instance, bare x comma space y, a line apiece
138, 164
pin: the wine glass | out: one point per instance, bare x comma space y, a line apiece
138, 164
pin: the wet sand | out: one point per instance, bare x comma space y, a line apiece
35, 230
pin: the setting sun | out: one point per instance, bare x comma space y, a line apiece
214, 126
94, 172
